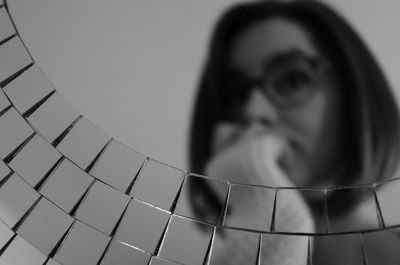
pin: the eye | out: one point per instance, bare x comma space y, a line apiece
291, 84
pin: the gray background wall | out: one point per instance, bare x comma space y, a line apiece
131, 67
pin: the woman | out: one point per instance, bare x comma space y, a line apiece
291, 96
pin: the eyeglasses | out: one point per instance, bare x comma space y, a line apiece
287, 85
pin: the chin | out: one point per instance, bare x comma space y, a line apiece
298, 174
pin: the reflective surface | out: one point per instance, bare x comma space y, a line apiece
16, 198
14, 53
221, 188
4, 103
188, 247
119, 253
6, 29
235, 252
142, 226
389, 247
45, 226
387, 198
118, 165
297, 246
5, 234
254, 213
102, 207
28, 89
111, 63
342, 251
66, 185
35, 160
286, 197
4, 170
83, 143
13, 131
369, 209
69, 194
53, 117
12, 255
72, 250
147, 186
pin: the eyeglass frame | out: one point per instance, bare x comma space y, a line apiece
263, 82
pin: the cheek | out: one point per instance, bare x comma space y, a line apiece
315, 127
309, 123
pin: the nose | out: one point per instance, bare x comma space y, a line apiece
259, 108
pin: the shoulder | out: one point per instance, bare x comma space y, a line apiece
382, 247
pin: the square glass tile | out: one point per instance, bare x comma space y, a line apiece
53, 117
382, 247
6, 27
4, 102
284, 249
343, 249
158, 184
234, 247
160, 261
28, 89
83, 246
142, 226
186, 241
20, 252
388, 195
16, 57
5, 234
52, 262
293, 215
66, 185
4, 170
83, 143
45, 226
365, 216
211, 212
118, 165
102, 207
13, 131
16, 197
34, 160
122, 254
250, 207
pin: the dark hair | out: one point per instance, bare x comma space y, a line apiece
372, 117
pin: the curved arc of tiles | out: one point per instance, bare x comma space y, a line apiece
45, 120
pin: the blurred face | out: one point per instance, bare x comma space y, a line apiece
280, 83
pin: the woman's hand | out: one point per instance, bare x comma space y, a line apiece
252, 157
248, 155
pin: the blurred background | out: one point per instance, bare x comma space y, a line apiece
131, 67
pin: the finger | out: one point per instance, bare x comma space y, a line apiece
224, 135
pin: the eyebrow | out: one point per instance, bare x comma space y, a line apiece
276, 60
283, 57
